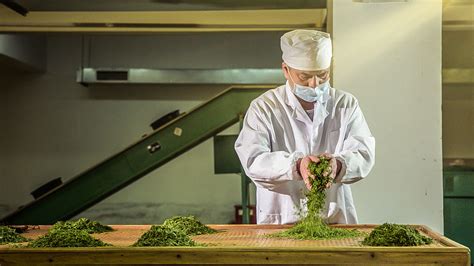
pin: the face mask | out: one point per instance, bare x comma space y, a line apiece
309, 94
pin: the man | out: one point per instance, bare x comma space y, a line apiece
288, 127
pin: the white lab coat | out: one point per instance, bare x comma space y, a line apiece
277, 132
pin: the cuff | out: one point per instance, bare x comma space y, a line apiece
294, 174
343, 170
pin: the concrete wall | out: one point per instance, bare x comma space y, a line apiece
389, 56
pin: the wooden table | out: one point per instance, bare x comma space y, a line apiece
241, 244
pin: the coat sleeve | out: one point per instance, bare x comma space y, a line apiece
358, 152
268, 169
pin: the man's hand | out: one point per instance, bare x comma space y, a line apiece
302, 166
303, 163
334, 164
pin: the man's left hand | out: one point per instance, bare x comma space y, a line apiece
334, 164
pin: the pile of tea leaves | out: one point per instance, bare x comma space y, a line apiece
160, 236
316, 229
9, 235
312, 226
91, 227
395, 235
70, 237
189, 225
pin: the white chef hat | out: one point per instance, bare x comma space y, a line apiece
306, 50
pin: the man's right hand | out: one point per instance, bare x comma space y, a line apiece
302, 166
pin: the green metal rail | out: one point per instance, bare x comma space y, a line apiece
115, 173
458, 187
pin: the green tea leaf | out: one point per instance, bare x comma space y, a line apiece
83, 224
189, 225
395, 235
66, 238
159, 236
9, 235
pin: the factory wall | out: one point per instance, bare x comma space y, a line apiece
389, 56
53, 126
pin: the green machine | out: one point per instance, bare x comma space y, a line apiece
459, 204
142, 157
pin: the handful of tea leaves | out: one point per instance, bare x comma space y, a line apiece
66, 238
82, 224
159, 236
395, 235
9, 235
316, 196
312, 226
189, 225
